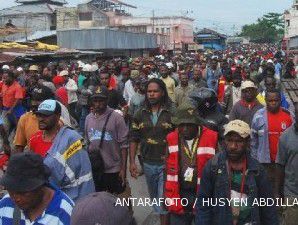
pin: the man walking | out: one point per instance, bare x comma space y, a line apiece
182, 91
149, 127
267, 126
107, 135
233, 174
31, 199
63, 150
246, 108
286, 174
189, 149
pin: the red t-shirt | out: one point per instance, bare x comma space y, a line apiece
62, 95
38, 145
277, 124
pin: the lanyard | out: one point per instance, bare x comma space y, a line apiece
191, 153
244, 167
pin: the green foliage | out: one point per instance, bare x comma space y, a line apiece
268, 29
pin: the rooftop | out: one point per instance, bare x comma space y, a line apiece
32, 9
42, 1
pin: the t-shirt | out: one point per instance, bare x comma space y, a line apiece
277, 124
11, 93
288, 157
62, 95
57, 212
170, 84
38, 145
245, 210
27, 127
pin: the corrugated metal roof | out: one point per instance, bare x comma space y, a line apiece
102, 38
38, 34
117, 2
32, 8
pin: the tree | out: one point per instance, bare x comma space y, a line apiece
267, 29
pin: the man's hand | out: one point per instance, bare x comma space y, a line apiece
134, 170
122, 176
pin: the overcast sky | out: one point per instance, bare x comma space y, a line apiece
225, 16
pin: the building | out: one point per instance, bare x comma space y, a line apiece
290, 40
210, 39
172, 32
237, 41
109, 41
31, 16
175, 31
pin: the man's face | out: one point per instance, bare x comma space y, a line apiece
214, 65
203, 66
237, 81
270, 83
46, 72
47, 122
105, 79
154, 93
273, 102
27, 200
164, 71
184, 80
8, 80
188, 131
236, 146
99, 104
249, 94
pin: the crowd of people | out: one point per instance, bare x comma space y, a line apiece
199, 126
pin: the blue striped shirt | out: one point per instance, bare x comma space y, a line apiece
58, 211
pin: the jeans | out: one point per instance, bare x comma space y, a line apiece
83, 114
155, 181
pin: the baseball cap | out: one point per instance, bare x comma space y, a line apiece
33, 68
63, 73
25, 172
101, 92
239, 127
49, 107
5, 67
248, 84
58, 80
100, 208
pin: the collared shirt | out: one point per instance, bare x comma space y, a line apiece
152, 137
58, 211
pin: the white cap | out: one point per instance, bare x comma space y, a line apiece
87, 68
269, 61
20, 69
169, 65
63, 73
5, 67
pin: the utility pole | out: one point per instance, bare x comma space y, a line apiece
153, 17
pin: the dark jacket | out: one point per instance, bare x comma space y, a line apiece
152, 138
215, 184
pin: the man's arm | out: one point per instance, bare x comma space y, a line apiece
132, 156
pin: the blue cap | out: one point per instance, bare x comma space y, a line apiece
49, 107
